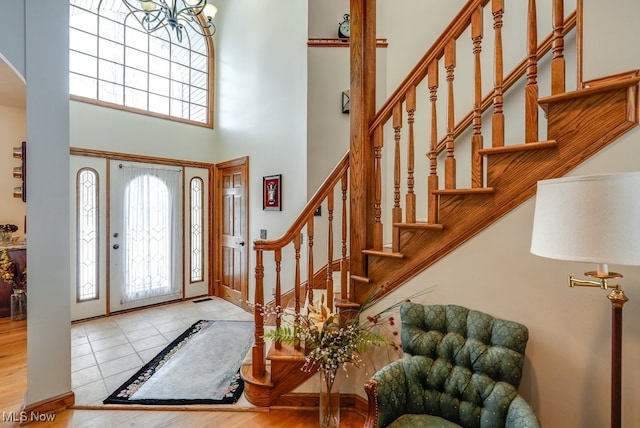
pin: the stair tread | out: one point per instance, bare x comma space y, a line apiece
420, 225
362, 279
385, 252
248, 377
538, 145
346, 304
470, 191
617, 82
285, 353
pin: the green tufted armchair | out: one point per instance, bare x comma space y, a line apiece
461, 368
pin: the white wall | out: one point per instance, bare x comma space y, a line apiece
328, 127
261, 102
12, 30
12, 133
324, 17
611, 37
411, 30
102, 128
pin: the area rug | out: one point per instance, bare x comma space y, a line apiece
201, 366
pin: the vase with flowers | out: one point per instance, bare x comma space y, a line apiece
11, 274
6, 230
332, 341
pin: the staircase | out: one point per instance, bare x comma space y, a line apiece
503, 172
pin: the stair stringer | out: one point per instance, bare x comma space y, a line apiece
581, 122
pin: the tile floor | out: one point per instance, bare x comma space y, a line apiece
105, 352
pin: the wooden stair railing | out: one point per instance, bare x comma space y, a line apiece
443, 54
291, 240
441, 151
501, 176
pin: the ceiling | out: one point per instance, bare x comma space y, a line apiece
13, 91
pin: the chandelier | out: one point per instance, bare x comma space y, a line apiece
176, 14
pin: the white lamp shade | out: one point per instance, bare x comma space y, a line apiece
589, 219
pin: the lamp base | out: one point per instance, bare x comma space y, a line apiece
618, 299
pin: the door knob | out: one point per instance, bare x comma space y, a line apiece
241, 244
116, 246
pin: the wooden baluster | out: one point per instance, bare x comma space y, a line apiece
557, 63
377, 172
477, 161
411, 196
531, 91
432, 181
579, 42
329, 281
257, 352
396, 216
450, 161
311, 273
296, 245
278, 296
497, 121
344, 267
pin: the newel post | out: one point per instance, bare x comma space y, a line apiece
362, 111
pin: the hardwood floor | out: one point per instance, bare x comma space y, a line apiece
13, 375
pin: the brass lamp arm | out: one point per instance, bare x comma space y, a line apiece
600, 282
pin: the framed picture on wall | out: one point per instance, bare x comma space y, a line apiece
272, 193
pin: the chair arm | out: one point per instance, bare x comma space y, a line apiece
387, 395
370, 387
521, 415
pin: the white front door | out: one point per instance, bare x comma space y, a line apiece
145, 234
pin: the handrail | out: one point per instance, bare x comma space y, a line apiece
293, 235
419, 71
459, 24
307, 211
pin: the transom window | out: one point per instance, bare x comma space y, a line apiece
114, 62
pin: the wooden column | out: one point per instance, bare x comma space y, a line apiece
362, 111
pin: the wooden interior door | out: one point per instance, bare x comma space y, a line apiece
232, 261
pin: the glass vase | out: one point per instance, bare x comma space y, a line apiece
18, 305
329, 399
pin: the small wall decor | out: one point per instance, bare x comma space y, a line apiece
20, 152
345, 101
272, 193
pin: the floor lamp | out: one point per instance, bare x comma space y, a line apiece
594, 219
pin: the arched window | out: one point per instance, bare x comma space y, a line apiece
114, 62
147, 232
